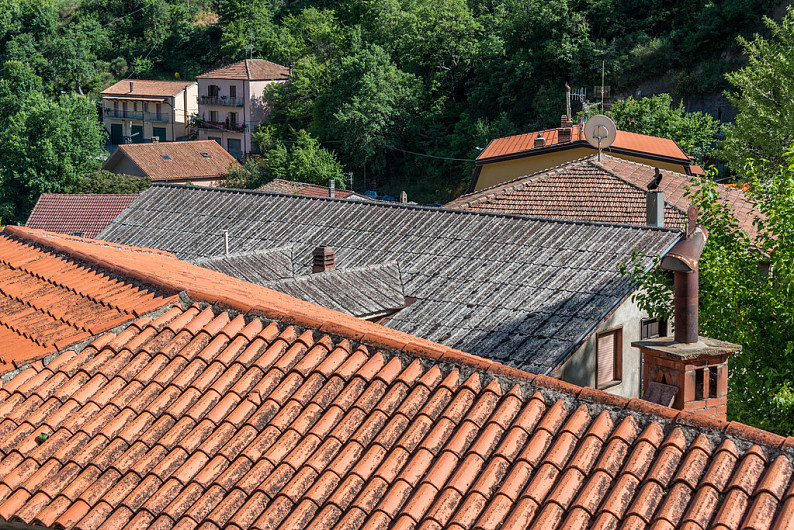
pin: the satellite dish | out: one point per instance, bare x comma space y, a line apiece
600, 132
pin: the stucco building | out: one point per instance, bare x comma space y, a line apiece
230, 103
141, 111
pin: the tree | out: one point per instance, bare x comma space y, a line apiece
656, 116
739, 301
308, 162
368, 106
44, 143
763, 93
102, 181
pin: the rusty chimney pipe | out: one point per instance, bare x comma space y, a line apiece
684, 260
323, 259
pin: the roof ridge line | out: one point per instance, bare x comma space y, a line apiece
442, 210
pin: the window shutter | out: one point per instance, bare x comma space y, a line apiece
606, 359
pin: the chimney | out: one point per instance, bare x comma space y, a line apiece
332, 188
563, 134
540, 141
130, 86
155, 139
323, 259
654, 209
403, 197
687, 372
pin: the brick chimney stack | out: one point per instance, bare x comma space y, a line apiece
687, 372
323, 259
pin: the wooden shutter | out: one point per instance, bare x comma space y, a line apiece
606, 359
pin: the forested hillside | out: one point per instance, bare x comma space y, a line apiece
378, 81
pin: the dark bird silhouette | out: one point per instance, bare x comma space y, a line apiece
657, 179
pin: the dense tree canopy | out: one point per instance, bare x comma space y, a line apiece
763, 92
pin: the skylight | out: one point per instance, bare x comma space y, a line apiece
206, 155
166, 157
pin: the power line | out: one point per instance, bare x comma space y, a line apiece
439, 157
90, 33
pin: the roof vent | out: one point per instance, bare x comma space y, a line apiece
540, 141
206, 155
323, 259
331, 188
166, 157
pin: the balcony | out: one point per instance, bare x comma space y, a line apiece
220, 126
221, 101
136, 115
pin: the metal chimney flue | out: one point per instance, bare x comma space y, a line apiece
131, 86
654, 209
684, 260
323, 259
332, 188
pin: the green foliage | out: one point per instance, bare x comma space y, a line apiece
368, 106
102, 181
304, 161
44, 143
656, 116
763, 93
739, 302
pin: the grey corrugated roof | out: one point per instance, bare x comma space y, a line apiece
360, 291
259, 266
520, 290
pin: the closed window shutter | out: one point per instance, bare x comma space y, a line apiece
606, 358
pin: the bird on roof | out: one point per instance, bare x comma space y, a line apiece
657, 179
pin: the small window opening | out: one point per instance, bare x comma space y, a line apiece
712, 381
699, 381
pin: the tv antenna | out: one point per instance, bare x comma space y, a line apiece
600, 132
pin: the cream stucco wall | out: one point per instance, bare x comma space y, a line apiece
495, 173
252, 113
580, 368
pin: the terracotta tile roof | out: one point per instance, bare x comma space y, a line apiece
627, 141
304, 188
145, 87
250, 69
186, 160
484, 283
49, 302
612, 191
279, 414
86, 215
674, 187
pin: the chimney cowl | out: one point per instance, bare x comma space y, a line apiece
323, 259
540, 141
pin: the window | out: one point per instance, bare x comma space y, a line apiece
116, 108
124, 108
233, 91
158, 109
650, 328
134, 106
145, 107
213, 91
609, 357
213, 115
233, 119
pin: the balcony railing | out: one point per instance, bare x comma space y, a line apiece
222, 101
136, 115
220, 125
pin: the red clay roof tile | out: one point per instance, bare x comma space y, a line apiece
296, 431
86, 215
